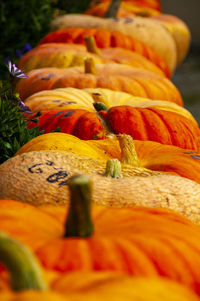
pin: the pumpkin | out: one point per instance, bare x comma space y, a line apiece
29, 282
106, 39
171, 250
141, 123
151, 155
72, 98
176, 27
126, 9
153, 4
113, 76
67, 55
37, 177
146, 30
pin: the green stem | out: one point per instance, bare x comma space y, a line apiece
91, 45
79, 222
90, 66
24, 268
128, 152
113, 9
113, 168
100, 106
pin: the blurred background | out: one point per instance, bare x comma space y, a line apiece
187, 76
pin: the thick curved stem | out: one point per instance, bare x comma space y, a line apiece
90, 66
25, 270
128, 152
79, 222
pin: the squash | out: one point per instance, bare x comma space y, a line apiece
116, 240
106, 39
113, 76
68, 55
152, 4
72, 98
37, 177
29, 282
146, 30
151, 155
141, 123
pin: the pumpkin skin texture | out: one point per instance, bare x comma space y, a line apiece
36, 177
72, 98
80, 123
68, 55
153, 4
116, 77
152, 155
106, 39
146, 30
140, 123
171, 128
15, 216
130, 252
126, 9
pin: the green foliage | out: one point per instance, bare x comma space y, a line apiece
75, 6
23, 21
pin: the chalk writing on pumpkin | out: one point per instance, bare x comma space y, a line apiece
194, 155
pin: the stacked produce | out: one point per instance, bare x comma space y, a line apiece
104, 202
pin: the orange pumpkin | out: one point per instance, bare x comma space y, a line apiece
116, 77
171, 250
69, 55
106, 39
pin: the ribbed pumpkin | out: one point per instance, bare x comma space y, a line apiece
116, 77
72, 98
146, 30
153, 4
126, 9
106, 39
151, 155
69, 55
171, 250
141, 123
37, 177
28, 282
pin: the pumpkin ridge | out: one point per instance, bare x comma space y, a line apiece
195, 132
153, 120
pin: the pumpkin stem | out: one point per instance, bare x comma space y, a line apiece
98, 97
100, 106
79, 222
113, 9
113, 168
90, 66
128, 152
91, 45
23, 266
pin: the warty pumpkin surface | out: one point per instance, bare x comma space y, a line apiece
106, 39
72, 98
146, 30
113, 76
36, 177
151, 155
69, 55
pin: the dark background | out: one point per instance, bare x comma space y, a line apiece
187, 75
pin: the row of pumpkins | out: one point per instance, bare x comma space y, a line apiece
116, 193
